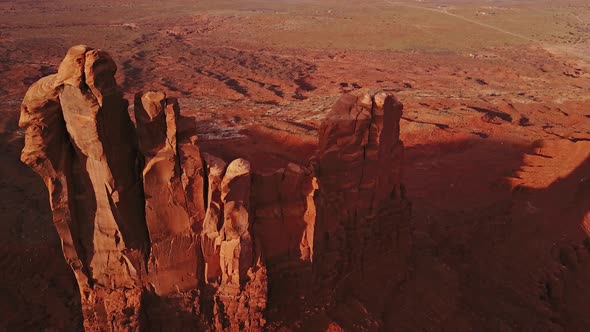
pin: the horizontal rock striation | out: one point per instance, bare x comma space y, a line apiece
163, 236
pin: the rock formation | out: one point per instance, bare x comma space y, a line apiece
173, 241
160, 234
80, 139
359, 176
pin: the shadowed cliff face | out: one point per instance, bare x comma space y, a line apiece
159, 234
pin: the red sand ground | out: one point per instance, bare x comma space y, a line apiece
496, 167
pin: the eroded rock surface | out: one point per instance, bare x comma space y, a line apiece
161, 235
174, 245
359, 176
80, 139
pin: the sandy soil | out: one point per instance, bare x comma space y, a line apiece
495, 125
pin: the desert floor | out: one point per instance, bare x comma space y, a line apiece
496, 127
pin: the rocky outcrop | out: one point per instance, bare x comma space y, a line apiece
80, 139
174, 244
162, 235
242, 292
359, 175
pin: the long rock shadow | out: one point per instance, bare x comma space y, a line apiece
484, 248
559, 218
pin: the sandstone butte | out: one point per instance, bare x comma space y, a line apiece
161, 235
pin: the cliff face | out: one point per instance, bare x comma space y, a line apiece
80, 139
359, 176
159, 234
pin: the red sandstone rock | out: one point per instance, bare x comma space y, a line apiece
91, 138
193, 181
241, 297
162, 236
210, 237
358, 171
51, 155
175, 250
285, 213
